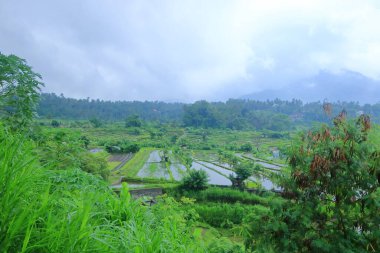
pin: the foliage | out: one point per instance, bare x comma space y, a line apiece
85, 141
243, 171
122, 147
72, 211
95, 164
133, 121
246, 147
223, 245
228, 195
195, 180
334, 191
200, 114
19, 92
222, 214
55, 123
234, 114
96, 122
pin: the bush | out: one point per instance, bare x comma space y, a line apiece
133, 121
334, 189
55, 123
95, 164
247, 147
196, 180
122, 147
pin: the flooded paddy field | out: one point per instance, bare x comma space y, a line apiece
214, 177
154, 167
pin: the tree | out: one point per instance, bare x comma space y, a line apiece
19, 92
333, 191
242, 172
85, 141
96, 122
55, 123
246, 147
196, 180
200, 114
94, 164
133, 121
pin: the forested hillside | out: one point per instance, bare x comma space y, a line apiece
234, 113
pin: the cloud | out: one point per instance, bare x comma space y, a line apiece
188, 50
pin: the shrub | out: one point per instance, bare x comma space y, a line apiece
247, 147
196, 180
334, 189
55, 123
133, 121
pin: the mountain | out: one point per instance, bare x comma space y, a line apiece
343, 86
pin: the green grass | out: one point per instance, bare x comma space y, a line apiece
69, 210
132, 167
228, 195
112, 165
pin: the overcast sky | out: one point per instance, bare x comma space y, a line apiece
188, 50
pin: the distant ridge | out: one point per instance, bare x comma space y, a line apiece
343, 86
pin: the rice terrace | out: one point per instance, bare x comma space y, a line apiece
190, 126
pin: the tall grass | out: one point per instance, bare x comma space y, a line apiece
227, 195
71, 211
223, 215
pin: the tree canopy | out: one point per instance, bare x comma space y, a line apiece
19, 91
334, 194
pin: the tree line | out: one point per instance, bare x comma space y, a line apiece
236, 114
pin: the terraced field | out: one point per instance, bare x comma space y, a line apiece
150, 164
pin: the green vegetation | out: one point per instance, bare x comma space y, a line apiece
19, 92
55, 211
334, 190
55, 174
227, 195
132, 167
196, 180
235, 114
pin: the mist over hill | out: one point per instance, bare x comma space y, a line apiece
343, 86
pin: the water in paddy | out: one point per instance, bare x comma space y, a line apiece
154, 157
217, 168
262, 162
214, 177
153, 168
178, 170
265, 183
268, 165
130, 186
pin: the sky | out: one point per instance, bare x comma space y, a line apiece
189, 50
